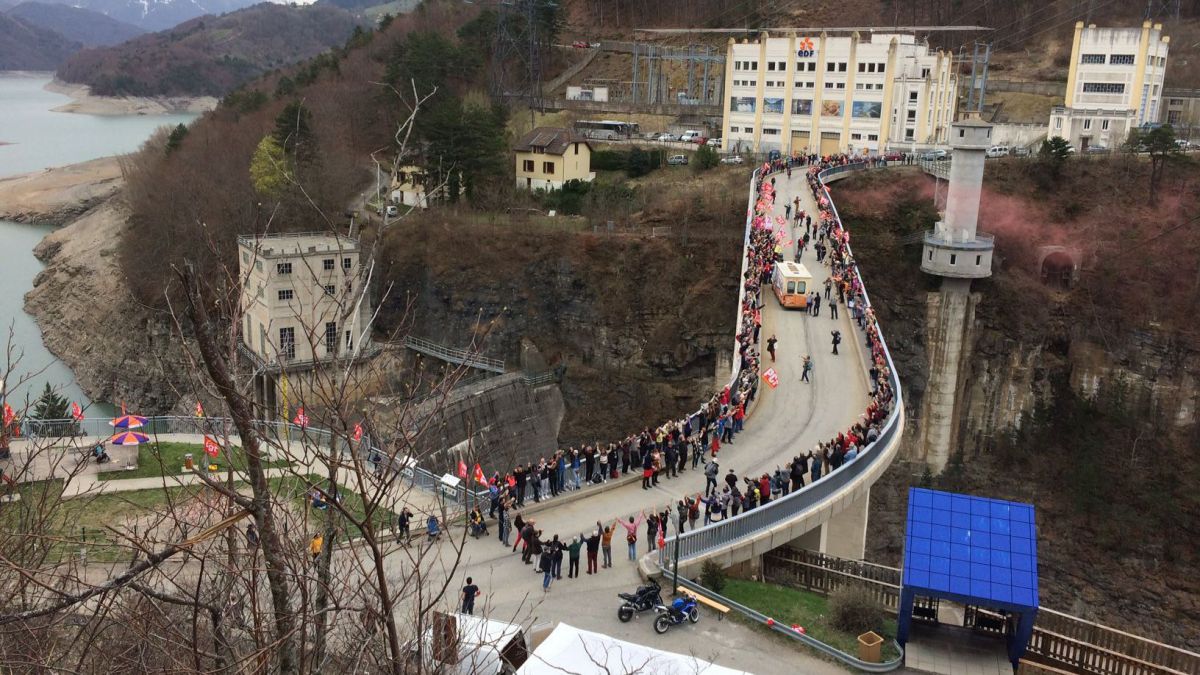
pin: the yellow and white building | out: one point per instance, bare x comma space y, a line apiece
1115, 84
827, 94
547, 157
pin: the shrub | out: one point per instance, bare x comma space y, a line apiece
712, 576
853, 609
706, 158
610, 160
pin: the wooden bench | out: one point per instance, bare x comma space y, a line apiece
711, 604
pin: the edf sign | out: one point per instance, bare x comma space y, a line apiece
807, 49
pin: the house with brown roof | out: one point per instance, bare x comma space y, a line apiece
547, 157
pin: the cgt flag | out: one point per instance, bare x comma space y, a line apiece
199, 409
462, 469
479, 477
358, 432
8, 414
211, 447
76, 412
771, 377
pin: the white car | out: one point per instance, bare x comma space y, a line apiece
714, 143
733, 159
392, 211
666, 137
997, 151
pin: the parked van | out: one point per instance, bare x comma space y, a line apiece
689, 136
791, 282
677, 160
998, 151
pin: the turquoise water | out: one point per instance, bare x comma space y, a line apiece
39, 138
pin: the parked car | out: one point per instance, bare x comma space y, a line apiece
689, 136
580, 44
935, 155
392, 211
700, 140
893, 156
1184, 144
714, 143
1096, 150
733, 159
666, 137
1021, 151
997, 151
677, 160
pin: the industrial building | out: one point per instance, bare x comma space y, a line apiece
797, 94
1115, 84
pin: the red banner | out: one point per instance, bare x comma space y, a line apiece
479, 477
211, 447
8, 414
358, 432
771, 377
301, 419
76, 412
462, 469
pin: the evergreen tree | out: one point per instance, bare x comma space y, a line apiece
293, 133
176, 138
51, 406
269, 168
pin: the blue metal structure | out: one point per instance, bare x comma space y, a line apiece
972, 550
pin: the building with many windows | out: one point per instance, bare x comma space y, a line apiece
827, 94
303, 306
1181, 110
1115, 84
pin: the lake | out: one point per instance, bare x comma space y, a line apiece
39, 138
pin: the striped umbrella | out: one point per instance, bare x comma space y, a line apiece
128, 422
129, 438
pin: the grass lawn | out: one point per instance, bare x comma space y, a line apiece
159, 459
793, 606
297, 489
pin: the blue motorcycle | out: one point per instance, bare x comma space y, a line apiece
682, 609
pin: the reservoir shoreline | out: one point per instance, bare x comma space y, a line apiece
84, 102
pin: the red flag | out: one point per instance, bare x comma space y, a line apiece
479, 477
462, 469
199, 409
357, 432
301, 419
8, 414
662, 538
76, 412
211, 447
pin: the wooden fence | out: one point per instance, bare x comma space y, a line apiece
1060, 641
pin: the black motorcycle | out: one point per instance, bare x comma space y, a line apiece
644, 598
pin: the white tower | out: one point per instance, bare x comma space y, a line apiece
955, 251
954, 248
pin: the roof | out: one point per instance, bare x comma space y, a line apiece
791, 269
977, 550
573, 650
551, 140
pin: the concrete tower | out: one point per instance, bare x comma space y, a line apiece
955, 251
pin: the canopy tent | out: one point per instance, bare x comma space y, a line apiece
972, 550
573, 650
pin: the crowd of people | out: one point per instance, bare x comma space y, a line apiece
672, 448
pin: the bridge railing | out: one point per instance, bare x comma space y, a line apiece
721, 534
465, 357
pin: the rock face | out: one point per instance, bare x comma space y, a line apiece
119, 350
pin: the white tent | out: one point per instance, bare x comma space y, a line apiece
581, 652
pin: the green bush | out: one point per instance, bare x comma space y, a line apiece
610, 160
706, 158
712, 576
570, 199
853, 609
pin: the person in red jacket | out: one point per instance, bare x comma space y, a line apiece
764, 487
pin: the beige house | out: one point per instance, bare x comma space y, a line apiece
304, 307
548, 157
409, 186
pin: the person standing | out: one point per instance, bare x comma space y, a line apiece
771, 341
652, 530
573, 558
315, 545
806, 369
710, 476
647, 470
546, 567
606, 545
833, 312
836, 337
593, 550
469, 593
631, 533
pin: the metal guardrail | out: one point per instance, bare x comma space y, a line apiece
804, 638
937, 168
463, 357
718, 535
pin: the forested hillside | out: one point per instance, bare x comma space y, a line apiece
211, 55
89, 28
24, 46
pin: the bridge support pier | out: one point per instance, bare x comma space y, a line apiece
843, 535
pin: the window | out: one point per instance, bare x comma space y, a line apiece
733, 130
331, 290
767, 131
912, 97
547, 167
346, 263
527, 166
1091, 58
830, 67
770, 65
880, 67
978, 260
924, 73
1104, 125
327, 264
576, 148
931, 254
842, 67
908, 134
330, 338
856, 137
753, 65
1173, 117
912, 115
1121, 60
1058, 123
1087, 124
245, 257
737, 65
349, 341
829, 85
862, 67
953, 258
872, 137
286, 294
1104, 87
283, 268
258, 265
287, 343
841, 85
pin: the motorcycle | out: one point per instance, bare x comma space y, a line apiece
644, 598
683, 608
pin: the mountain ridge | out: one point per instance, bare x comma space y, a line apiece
85, 26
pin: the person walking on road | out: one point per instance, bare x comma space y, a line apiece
771, 341
836, 339
833, 314
806, 369
469, 593
710, 476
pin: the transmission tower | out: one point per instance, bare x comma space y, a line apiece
517, 54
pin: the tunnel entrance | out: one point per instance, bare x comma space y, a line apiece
1058, 270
